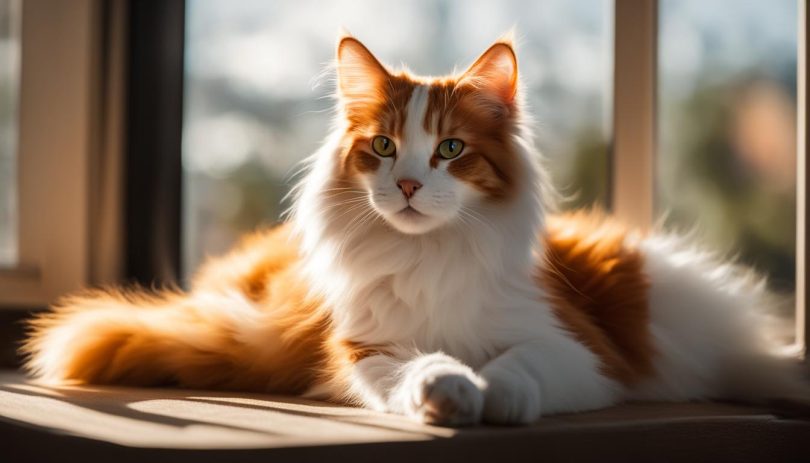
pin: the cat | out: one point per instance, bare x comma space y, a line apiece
422, 271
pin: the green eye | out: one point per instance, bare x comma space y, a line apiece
383, 146
451, 148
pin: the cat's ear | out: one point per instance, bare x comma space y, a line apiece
495, 73
359, 72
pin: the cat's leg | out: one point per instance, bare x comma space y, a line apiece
433, 388
538, 378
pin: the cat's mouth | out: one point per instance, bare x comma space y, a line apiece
412, 221
411, 212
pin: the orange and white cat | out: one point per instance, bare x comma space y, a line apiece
420, 273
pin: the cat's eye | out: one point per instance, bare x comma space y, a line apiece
383, 146
451, 148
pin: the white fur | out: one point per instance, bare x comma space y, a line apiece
712, 328
451, 295
432, 388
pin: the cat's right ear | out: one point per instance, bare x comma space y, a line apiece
494, 74
359, 73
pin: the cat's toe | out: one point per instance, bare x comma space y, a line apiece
450, 400
510, 400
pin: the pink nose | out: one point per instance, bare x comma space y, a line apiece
408, 186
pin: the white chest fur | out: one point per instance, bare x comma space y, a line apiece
427, 293
461, 289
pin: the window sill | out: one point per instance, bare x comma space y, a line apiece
131, 424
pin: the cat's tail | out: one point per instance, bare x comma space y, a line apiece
719, 331
132, 337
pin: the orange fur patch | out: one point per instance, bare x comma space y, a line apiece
489, 162
595, 282
374, 103
477, 170
381, 113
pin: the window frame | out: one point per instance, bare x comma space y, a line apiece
154, 179
56, 39
635, 81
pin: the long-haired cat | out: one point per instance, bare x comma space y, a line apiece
420, 273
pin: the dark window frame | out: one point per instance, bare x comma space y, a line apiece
153, 164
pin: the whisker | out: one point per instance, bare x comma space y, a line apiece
354, 227
473, 215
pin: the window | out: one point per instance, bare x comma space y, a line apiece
253, 110
9, 89
702, 132
693, 84
726, 160
686, 31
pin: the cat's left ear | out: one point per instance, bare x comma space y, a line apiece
495, 73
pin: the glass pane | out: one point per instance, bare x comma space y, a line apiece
253, 109
9, 86
727, 128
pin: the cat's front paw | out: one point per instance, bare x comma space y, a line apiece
450, 400
511, 398
445, 393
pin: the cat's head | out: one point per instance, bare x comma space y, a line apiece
426, 152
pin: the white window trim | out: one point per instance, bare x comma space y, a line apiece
62, 142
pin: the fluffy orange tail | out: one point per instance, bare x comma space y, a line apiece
119, 337
214, 340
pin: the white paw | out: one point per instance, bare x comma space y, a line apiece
445, 393
511, 398
450, 400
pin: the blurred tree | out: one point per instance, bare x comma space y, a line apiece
581, 178
731, 175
